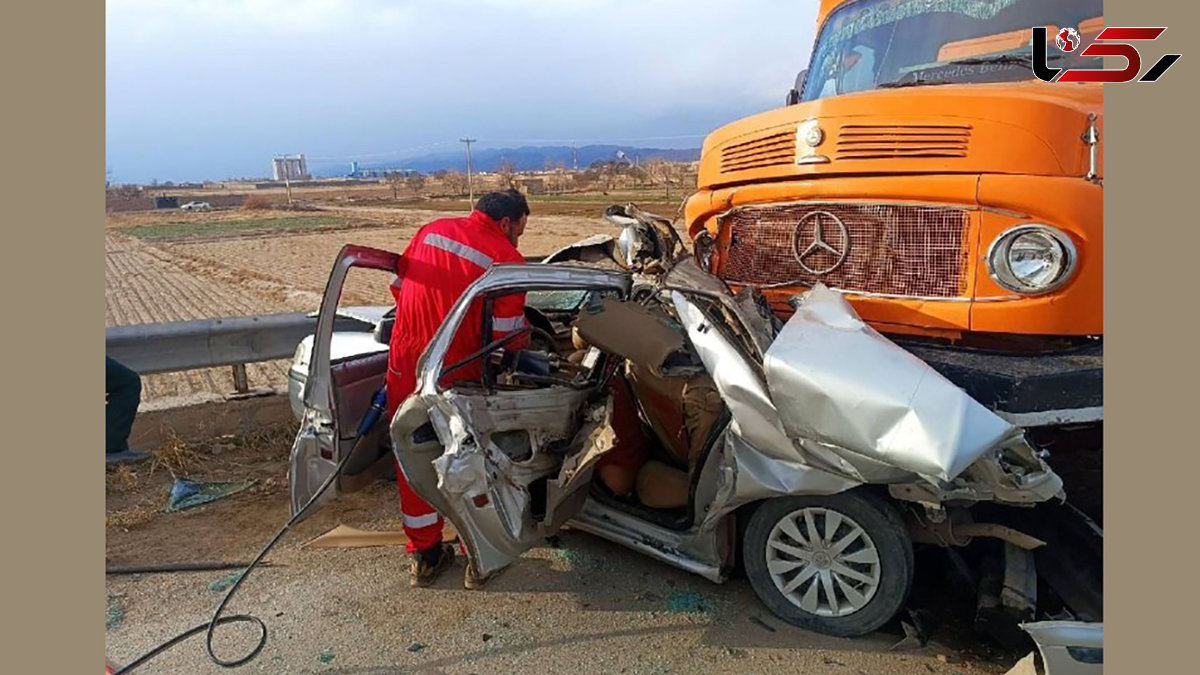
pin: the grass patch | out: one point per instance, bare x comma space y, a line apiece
175, 455
218, 227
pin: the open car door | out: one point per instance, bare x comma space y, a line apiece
509, 459
337, 393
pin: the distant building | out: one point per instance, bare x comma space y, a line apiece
532, 186
286, 167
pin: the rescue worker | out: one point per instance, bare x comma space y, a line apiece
443, 258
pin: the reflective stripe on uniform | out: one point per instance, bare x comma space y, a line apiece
426, 520
507, 324
459, 249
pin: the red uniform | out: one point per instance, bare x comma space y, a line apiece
440, 262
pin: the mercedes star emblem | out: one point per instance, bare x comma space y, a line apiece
834, 244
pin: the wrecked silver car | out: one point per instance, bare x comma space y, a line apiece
814, 451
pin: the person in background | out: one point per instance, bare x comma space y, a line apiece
122, 393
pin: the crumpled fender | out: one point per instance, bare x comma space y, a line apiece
835, 380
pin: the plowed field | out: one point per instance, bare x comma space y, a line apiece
158, 269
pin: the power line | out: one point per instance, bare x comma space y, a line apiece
470, 187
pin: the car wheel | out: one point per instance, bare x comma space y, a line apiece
839, 564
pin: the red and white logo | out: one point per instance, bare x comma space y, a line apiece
1067, 39
1111, 41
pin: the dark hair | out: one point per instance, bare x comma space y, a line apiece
508, 203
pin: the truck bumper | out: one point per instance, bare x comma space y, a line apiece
1028, 390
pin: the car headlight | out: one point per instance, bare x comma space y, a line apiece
1031, 259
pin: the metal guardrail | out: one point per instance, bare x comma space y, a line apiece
210, 343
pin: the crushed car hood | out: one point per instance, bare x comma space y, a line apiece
828, 391
835, 380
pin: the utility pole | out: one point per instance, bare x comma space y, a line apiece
470, 185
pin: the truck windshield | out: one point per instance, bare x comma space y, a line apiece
873, 44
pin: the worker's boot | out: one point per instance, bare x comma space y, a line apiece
427, 565
471, 579
125, 457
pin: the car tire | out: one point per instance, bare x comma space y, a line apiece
871, 575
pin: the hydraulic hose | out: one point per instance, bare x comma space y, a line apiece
370, 419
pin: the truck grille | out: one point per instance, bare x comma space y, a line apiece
914, 251
876, 141
770, 150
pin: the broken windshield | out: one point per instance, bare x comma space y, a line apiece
872, 44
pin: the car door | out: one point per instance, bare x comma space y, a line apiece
336, 395
507, 466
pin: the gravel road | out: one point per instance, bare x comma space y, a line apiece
583, 606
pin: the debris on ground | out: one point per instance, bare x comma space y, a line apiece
913, 638
124, 478
187, 494
687, 603
416, 647
224, 582
175, 455
487, 636
326, 656
569, 555
114, 615
344, 536
139, 514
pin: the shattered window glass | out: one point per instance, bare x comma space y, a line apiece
555, 301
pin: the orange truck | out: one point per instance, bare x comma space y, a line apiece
921, 169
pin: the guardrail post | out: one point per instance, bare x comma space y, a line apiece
241, 384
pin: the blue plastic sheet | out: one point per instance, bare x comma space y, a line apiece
187, 494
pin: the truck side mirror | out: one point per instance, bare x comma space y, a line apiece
793, 96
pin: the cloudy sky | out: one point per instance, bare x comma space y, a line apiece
212, 89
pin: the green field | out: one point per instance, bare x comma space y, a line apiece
587, 204
219, 227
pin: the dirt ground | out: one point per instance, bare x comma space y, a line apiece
580, 604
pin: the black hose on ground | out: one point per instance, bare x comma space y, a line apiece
374, 413
155, 568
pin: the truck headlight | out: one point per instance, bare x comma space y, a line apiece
1031, 259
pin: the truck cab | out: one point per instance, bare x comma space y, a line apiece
922, 170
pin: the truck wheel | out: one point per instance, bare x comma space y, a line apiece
839, 564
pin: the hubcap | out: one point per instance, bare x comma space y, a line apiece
823, 562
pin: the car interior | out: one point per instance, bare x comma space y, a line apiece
666, 414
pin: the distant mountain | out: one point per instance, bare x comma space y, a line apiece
532, 158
